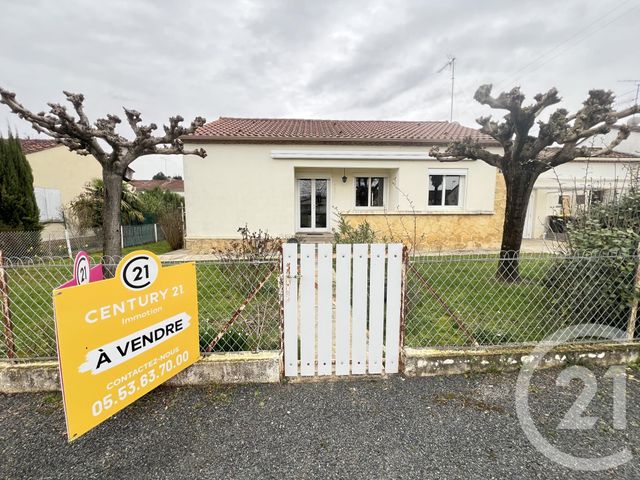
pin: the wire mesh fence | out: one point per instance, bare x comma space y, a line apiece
460, 300
20, 244
34, 244
238, 305
450, 301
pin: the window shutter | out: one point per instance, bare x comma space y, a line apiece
53, 204
49, 203
41, 201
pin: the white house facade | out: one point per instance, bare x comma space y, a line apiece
291, 177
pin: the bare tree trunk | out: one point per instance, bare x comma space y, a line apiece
111, 247
519, 189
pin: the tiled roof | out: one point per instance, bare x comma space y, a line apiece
277, 130
173, 185
594, 154
34, 145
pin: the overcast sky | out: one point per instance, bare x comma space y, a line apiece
338, 59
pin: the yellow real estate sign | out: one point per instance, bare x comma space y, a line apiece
122, 337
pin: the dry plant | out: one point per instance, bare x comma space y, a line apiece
408, 234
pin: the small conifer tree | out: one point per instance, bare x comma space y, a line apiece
18, 207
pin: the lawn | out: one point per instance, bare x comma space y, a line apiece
450, 301
155, 247
455, 302
222, 289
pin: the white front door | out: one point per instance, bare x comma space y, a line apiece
313, 204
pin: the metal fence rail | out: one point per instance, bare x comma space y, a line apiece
450, 301
21, 244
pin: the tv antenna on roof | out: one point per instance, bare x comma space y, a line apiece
635, 102
451, 63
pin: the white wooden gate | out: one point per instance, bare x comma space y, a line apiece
342, 311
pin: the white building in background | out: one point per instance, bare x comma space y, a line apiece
562, 190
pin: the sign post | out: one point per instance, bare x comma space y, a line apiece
120, 338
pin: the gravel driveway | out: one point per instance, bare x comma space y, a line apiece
440, 427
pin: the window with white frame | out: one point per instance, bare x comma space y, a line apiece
446, 188
370, 192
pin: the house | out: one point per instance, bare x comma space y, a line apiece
175, 185
59, 175
562, 191
290, 177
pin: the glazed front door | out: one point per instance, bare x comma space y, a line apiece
313, 203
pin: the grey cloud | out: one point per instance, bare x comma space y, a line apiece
331, 58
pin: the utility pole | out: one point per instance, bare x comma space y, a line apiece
451, 63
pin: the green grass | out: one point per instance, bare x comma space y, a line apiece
450, 302
222, 289
158, 248
155, 247
30, 299
476, 305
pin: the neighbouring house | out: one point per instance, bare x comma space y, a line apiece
631, 144
175, 185
558, 193
59, 175
289, 177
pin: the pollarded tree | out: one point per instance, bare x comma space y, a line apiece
525, 155
114, 151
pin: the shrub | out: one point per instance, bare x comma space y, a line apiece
172, 227
254, 245
347, 233
156, 202
594, 282
87, 207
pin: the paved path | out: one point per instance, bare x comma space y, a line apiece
441, 428
529, 245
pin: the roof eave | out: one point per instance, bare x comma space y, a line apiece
323, 141
629, 158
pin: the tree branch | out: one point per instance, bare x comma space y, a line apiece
79, 135
466, 149
511, 101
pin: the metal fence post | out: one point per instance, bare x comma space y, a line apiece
6, 310
66, 237
403, 305
121, 236
633, 314
155, 232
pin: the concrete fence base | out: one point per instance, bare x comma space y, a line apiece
264, 367
235, 367
423, 362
